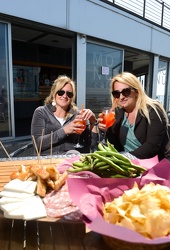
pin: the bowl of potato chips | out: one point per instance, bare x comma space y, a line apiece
145, 210
131, 213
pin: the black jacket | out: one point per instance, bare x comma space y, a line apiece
153, 137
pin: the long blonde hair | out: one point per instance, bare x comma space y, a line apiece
58, 84
142, 99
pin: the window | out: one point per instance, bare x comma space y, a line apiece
103, 63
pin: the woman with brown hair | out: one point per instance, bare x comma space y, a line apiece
55, 122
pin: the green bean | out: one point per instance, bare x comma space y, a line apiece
115, 167
111, 147
82, 157
119, 161
101, 147
78, 164
117, 155
82, 166
95, 161
104, 167
88, 158
76, 170
106, 148
99, 164
74, 166
140, 168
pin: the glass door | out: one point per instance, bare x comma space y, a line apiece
161, 81
103, 63
5, 104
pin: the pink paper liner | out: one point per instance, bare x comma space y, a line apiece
63, 166
89, 194
147, 163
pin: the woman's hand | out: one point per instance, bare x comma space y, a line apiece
101, 126
87, 114
73, 126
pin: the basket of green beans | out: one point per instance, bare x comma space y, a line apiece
107, 162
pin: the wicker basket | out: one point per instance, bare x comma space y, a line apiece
117, 244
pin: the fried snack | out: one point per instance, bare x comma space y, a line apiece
46, 176
145, 210
40, 171
41, 187
60, 181
53, 172
50, 183
23, 174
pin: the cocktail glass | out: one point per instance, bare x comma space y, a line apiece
108, 115
79, 132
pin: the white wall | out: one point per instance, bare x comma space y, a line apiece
95, 19
52, 12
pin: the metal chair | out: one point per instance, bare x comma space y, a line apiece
23, 149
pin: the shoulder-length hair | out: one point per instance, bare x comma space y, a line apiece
58, 84
143, 100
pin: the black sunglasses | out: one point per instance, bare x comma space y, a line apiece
125, 92
62, 92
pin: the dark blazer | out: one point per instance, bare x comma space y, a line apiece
153, 137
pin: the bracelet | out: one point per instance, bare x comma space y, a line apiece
95, 123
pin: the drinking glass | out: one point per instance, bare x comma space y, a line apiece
79, 132
108, 115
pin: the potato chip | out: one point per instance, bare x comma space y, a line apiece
158, 223
145, 210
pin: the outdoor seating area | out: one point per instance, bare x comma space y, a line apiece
46, 233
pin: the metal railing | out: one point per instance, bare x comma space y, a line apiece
154, 11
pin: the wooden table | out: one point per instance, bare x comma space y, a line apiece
46, 233
60, 235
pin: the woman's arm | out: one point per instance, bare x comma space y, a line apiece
45, 130
153, 135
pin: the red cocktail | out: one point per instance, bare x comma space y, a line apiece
108, 117
83, 128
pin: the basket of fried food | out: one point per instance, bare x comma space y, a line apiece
129, 213
145, 210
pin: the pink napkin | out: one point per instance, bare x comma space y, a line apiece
63, 166
147, 163
92, 192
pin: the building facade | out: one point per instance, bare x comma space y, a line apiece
88, 40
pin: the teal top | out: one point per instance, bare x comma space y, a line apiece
127, 136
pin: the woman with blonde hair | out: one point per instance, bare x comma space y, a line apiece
141, 126
55, 124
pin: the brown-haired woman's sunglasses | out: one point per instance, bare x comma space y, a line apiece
62, 92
